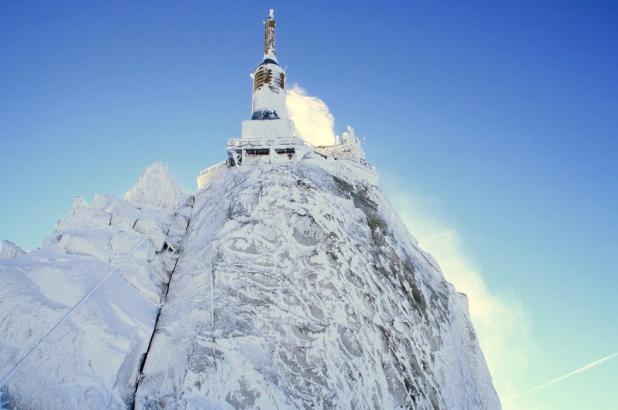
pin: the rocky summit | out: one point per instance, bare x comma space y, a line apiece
290, 285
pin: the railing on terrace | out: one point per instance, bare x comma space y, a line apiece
323, 150
261, 142
209, 173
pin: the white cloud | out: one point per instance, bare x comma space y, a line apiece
500, 323
311, 117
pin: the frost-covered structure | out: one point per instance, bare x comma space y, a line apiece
285, 282
268, 101
348, 147
269, 135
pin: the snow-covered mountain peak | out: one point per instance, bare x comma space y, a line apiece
156, 188
291, 285
299, 287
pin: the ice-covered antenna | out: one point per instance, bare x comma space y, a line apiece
271, 13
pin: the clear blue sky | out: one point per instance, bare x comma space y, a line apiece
507, 112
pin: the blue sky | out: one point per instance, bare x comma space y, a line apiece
501, 118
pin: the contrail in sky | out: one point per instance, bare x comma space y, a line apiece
566, 376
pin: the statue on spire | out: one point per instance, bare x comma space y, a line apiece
269, 79
269, 36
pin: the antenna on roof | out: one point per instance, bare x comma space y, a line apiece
271, 13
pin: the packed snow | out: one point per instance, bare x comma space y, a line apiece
77, 315
9, 250
293, 285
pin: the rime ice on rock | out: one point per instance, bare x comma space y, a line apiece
299, 287
8, 250
156, 188
92, 358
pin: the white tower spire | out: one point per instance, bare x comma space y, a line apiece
269, 120
269, 79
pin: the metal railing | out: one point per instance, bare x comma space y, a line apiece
262, 142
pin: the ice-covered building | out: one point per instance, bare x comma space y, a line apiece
269, 136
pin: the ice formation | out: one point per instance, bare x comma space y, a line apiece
156, 188
9, 250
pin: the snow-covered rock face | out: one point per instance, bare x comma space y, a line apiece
290, 286
8, 250
298, 287
156, 188
77, 315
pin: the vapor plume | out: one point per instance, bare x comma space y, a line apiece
501, 324
312, 119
